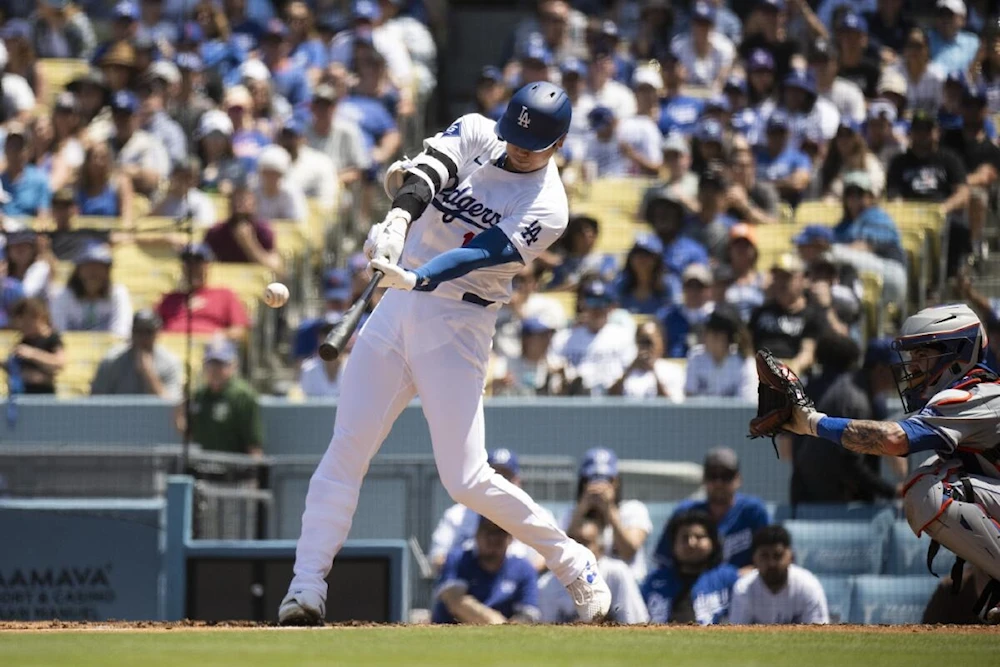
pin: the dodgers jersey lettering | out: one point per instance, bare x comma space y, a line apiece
530, 208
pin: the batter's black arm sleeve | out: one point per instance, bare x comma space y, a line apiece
435, 172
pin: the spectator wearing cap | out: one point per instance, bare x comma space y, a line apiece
710, 224
534, 63
337, 296
777, 592
220, 167
61, 29
17, 36
647, 82
742, 118
747, 198
140, 156
457, 526
245, 19
17, 99
154, 119
627, 605
649, 375
846, 97
102, 190
789, 323
91, 301
603, 35
482, 584
310, 169
830, 11
306, 50
118, 65
26, 187
29, 261
268, 109
394, 59
420, 44
574, 81
599, 495
952, 48
761, 81
530, 373
525, 302
822, 473
679, 112
124, 28
764, 29
924, 80
708, 145
859, 59
337, 137
187, 104
595, 352
664, 210
367, 106
747, 284
244, 237
225, 415
930, 173
980, 156
142, 367
248, 139
319, 378
491, 89
92, 95
561, 28
706, 54
737, 515
210, 36
606, 91
868, 239
213, 310
805, 108
641, 286
679, 177
622, 147
718, 108
953, 95
154, 24
278, 198
575, 258
58, 150
693, 584
888, 26
182, 199
781, 164
289, 78
878, 132
722, 364
848, 154
683, 321
67, 241
38, 356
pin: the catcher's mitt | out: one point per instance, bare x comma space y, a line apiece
779, 389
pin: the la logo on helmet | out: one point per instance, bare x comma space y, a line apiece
523, 119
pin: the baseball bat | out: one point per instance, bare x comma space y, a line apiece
337, 339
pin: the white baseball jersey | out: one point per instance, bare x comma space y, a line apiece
639, 132
627, 605
802, 600
599, 359
530, 208
458, 525
643, 383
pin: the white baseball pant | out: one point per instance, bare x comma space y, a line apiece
417, 343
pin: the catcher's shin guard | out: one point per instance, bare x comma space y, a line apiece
943, 502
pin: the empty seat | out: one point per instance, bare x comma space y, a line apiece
838, 589
838, 547
887, 600
834, 511
907, 553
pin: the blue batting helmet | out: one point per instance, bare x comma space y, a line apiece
537, 116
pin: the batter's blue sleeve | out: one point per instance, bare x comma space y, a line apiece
490, 248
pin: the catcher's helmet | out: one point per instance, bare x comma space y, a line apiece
954, 340
536, 117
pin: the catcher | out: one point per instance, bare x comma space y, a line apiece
955, 403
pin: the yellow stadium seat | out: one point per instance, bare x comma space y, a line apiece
8, 339
614, 203
818, 213
291, 238
247, 280
57, 73
177, 344
566, 299
84, 351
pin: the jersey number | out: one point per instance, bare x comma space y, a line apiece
467, 238
531, 232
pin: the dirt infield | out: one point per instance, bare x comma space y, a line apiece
158, 626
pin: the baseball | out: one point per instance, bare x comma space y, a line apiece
276, 295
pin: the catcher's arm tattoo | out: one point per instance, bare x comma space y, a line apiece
874, 437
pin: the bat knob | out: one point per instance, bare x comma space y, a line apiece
328, 352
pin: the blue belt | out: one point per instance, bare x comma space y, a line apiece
469, 297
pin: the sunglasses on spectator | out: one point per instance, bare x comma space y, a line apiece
553, 18
720, 475
644, 342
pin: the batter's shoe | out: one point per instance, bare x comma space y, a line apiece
993, 616
302, 608
590, 595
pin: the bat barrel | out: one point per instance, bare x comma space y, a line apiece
337, 339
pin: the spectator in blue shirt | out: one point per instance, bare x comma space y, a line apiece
11, 291
678, 112
124, 26
780, 164
482, 585
641, 286
26, 185
368, 110
952, 49
736, 515
287, 78
308, 53
694, 585
760, 78
337, 295
663, 209
155, 120
683, 322
575, 257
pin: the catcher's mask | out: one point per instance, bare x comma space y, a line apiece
936, 348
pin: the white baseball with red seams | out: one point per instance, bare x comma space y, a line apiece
436, 345
276, 295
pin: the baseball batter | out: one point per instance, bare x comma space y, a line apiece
480, 202
955, 496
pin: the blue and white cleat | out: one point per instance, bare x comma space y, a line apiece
590, 595
302, 608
